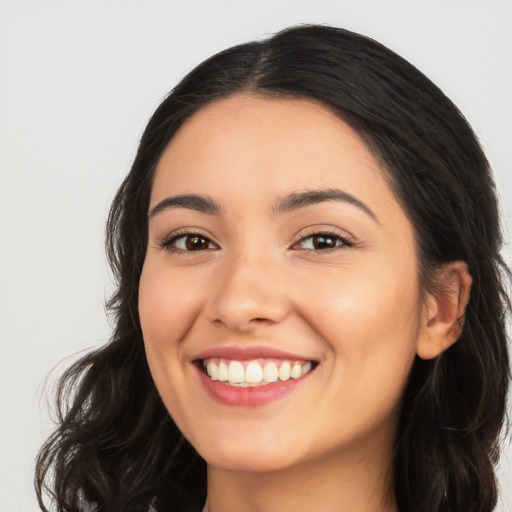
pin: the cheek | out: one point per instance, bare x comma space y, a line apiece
371, 327
368, 304
167, 306
167, 309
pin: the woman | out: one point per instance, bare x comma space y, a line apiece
310, 306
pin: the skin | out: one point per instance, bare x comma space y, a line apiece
257, 280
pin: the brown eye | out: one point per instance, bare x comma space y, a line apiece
323, 242
196, 243
189, 243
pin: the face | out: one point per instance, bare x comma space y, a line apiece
280, 263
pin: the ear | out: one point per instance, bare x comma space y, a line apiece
443, 316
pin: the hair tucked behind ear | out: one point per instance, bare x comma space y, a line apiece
116, 445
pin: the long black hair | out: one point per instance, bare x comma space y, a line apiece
116, 445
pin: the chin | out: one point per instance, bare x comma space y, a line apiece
230, 455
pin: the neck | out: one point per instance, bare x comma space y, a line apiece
339, 482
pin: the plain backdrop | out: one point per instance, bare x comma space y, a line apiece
79, 80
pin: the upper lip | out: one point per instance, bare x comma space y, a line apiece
242, 353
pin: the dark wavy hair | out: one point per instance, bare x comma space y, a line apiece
115, 444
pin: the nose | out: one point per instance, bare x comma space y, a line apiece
250, 293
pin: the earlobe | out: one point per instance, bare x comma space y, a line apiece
444, 310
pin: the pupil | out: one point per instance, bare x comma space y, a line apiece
196, 243
324, 242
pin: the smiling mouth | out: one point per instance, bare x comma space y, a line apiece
254, 373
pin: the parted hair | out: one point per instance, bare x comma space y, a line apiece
115, 446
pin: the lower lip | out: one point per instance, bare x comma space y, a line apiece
249, 397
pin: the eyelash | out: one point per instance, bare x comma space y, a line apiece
341, 242
167, 242
345, 243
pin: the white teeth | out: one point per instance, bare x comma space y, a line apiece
253, 373
270, 373
284, 371
213, 371
233, 372
236, 372
223, 374
296, 371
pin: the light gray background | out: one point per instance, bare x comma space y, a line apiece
78, 81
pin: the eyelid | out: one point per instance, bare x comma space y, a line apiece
347, 240
166, 241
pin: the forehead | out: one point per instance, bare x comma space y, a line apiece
263, 146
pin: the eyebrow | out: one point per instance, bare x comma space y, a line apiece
195, 202
294, 201
309, 197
